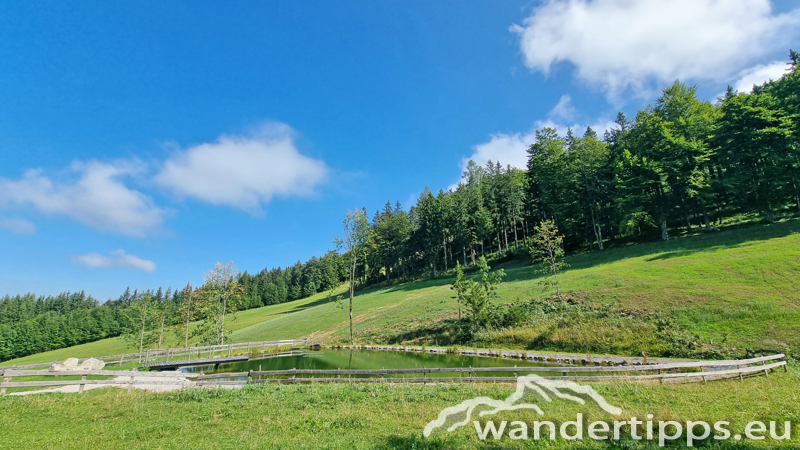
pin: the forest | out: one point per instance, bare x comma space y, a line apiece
681, 165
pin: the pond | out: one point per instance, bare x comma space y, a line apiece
331, 359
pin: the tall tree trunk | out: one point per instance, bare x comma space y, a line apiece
464, 252
664, 232
222, 322
188, 311
434, 269
459, 305
516, 245
161, 334
555, 271
444, 244
705, 216
352, 283
598, 232
482, 252
141, 338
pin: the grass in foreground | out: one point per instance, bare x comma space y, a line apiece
361, 416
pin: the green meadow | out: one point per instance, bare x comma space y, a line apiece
371, 416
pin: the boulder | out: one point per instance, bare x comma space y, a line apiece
72, 364
92, 364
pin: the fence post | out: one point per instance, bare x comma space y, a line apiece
5, 380
121, 357
80, 388
424, 375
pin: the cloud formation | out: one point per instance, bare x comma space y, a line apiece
620, 44
243, 171
505, 148
18, 226
759, 75
563, 109
97, 198
511, 148
117, 258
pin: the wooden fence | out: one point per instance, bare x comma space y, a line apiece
677, 371
690, 371
209, 351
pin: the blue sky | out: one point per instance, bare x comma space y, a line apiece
140, 143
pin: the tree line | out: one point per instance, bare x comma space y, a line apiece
680, 165
32, 324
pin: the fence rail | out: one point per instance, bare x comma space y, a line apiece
167, 354
685, 371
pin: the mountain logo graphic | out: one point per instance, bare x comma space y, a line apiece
461, 414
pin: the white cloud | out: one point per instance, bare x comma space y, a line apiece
97, 198
563, 109
505, 148
759, 75
619, 44
118, 258
243, 171
511, 148
18, 226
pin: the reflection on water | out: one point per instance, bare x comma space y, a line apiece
330, 359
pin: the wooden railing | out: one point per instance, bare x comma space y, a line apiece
129, 379
668, 371
208, 351
678, 371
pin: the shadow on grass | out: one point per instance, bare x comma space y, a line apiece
727, 238
684, 246
433, 332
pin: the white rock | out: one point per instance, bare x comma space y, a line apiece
72, 364
92, 364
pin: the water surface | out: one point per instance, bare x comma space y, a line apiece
331, 359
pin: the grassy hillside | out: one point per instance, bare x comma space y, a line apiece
114, 346
722, 291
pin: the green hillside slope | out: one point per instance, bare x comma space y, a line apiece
719, 292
